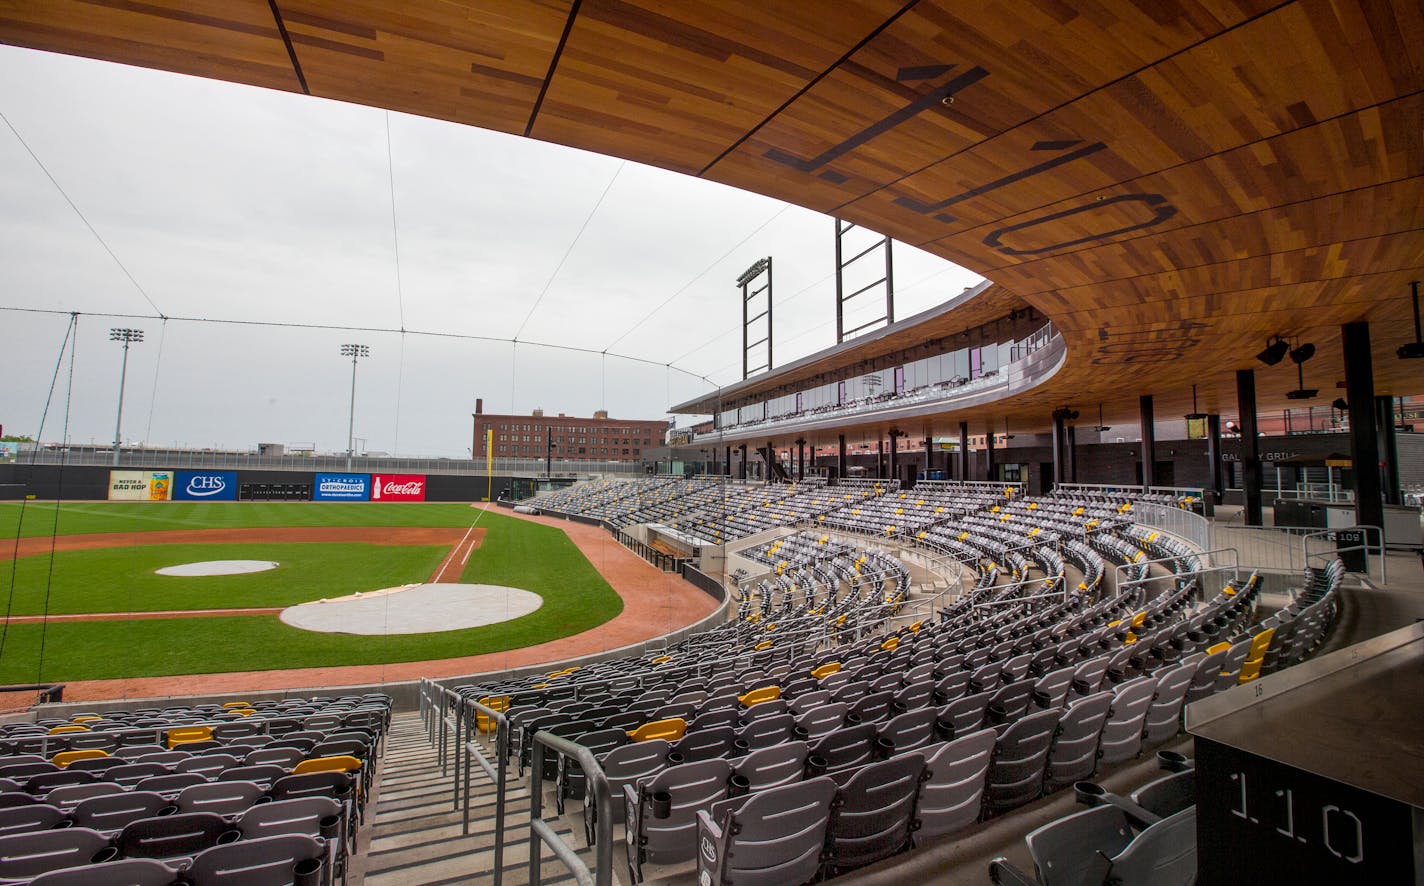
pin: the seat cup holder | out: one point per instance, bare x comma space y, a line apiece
997, 713
307, 872
1089, 793
675, 758
884, 747
738, 785
1173, 761
231, 836
945, 728
852, 719
816, 765
741, 746
1081, 686
108, 853
800, 733
1042, 699
661, 804
1116, 675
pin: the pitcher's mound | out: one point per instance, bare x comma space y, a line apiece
219, 567
414, 609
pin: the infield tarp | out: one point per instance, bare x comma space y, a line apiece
205, 486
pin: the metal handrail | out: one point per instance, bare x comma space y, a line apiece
498, 774
596, 782
1119, 571
1377, 551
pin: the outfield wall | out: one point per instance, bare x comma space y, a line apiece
91, 483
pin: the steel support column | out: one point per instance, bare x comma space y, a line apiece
1149, 440
1364, 440
1388, 450
840, 456
1250, 445
1060, 441
1213, 455
989, 453
963, 451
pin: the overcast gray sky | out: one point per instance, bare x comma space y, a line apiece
239, 204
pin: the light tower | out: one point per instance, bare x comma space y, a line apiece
354, 352
127, 336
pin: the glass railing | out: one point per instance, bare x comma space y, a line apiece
1024, 370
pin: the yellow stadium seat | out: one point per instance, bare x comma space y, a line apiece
662, 659
825, 670
483, 722
64, 758
669, 730
73, 727
757, 696
1251, 667
184, 734
1219, 647
890, 643
341, 763
236, 704
82, 720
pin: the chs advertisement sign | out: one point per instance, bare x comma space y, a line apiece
206, 486
341, 487
140, 485
398, 487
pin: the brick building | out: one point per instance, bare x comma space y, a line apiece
599, 438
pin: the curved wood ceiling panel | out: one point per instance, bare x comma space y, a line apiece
1171, 181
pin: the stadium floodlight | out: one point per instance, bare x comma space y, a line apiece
354, 352
1274, 352
128, 337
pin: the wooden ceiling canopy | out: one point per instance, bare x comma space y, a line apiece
1171, 181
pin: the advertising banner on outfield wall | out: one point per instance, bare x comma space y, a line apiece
205, 486
341, 487
398, 487
140, 485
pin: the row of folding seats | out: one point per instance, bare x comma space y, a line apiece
82, 857
1148, 837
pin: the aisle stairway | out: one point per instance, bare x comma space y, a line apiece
413, 832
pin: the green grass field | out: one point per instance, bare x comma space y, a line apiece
84, 517
514, 553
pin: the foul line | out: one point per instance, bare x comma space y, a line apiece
443, 566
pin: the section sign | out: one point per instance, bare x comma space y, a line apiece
398, 487
341, 487
140, 485
206, 486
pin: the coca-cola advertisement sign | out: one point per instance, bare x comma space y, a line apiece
398, 487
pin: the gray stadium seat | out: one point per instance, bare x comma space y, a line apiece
770, 838
122, 872
875, 811
112, 812
662, 812
774, 766
1122, 733
1164, 717
284, 860
951, 798
1016, 774
1073, 756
